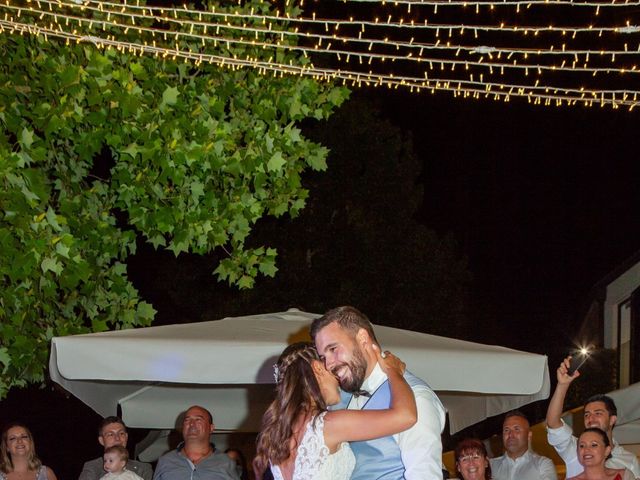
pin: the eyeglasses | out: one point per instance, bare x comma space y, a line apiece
470, 458
111, 435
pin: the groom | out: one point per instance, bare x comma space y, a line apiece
415, 454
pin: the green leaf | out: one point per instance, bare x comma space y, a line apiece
269, 142
52, 219
276, 162
280, 209
295, 107
222, 271
26, 137
338, 95
197, 189
29, 195
246, 281
5, 359
268, 267
52, 265
170, 96
158, 241
177, 246
317, 159
293, 134
146, 311
62, 250
138, 70
132, 150
99, 325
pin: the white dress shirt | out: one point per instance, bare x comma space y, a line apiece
421, 445
566, 444
528, 466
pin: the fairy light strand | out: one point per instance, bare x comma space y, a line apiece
361, 54
458, 3
392, 57
365, 55
173, 15
505, 92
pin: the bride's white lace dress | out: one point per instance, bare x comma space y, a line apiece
314, 462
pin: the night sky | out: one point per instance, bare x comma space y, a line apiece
541, 200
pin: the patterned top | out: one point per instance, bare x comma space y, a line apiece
314, 462
40, 474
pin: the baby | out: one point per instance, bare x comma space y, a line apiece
115, 461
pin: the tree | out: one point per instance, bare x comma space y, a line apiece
364, 244
101, 147
359, 241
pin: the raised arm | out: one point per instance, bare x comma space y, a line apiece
556, 404
355, 425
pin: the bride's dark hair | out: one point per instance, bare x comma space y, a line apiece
297, 392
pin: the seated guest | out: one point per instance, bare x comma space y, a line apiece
115, 463
196, 458
599, 411
18, 458
112, 431
593, 450
519, 462
471, 460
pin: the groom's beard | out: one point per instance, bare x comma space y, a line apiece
357, 368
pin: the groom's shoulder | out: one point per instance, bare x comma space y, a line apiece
414, 381
421, 388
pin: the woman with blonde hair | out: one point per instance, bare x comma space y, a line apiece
301, 440
18, 458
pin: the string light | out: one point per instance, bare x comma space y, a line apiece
504, 92
458, 3
409, 58
370, 42
361, 52
165, 14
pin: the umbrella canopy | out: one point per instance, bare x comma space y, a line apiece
154, 373
627, 429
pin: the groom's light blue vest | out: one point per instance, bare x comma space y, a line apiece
380, 458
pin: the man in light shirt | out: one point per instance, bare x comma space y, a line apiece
340, 336
112, 432
519, 462
196, 458
599, 411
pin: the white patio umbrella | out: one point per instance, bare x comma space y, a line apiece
627, 429
154, 373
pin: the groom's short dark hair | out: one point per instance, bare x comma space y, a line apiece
349, 318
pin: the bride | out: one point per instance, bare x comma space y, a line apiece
301, 440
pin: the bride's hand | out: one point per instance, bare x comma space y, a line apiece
388, 362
